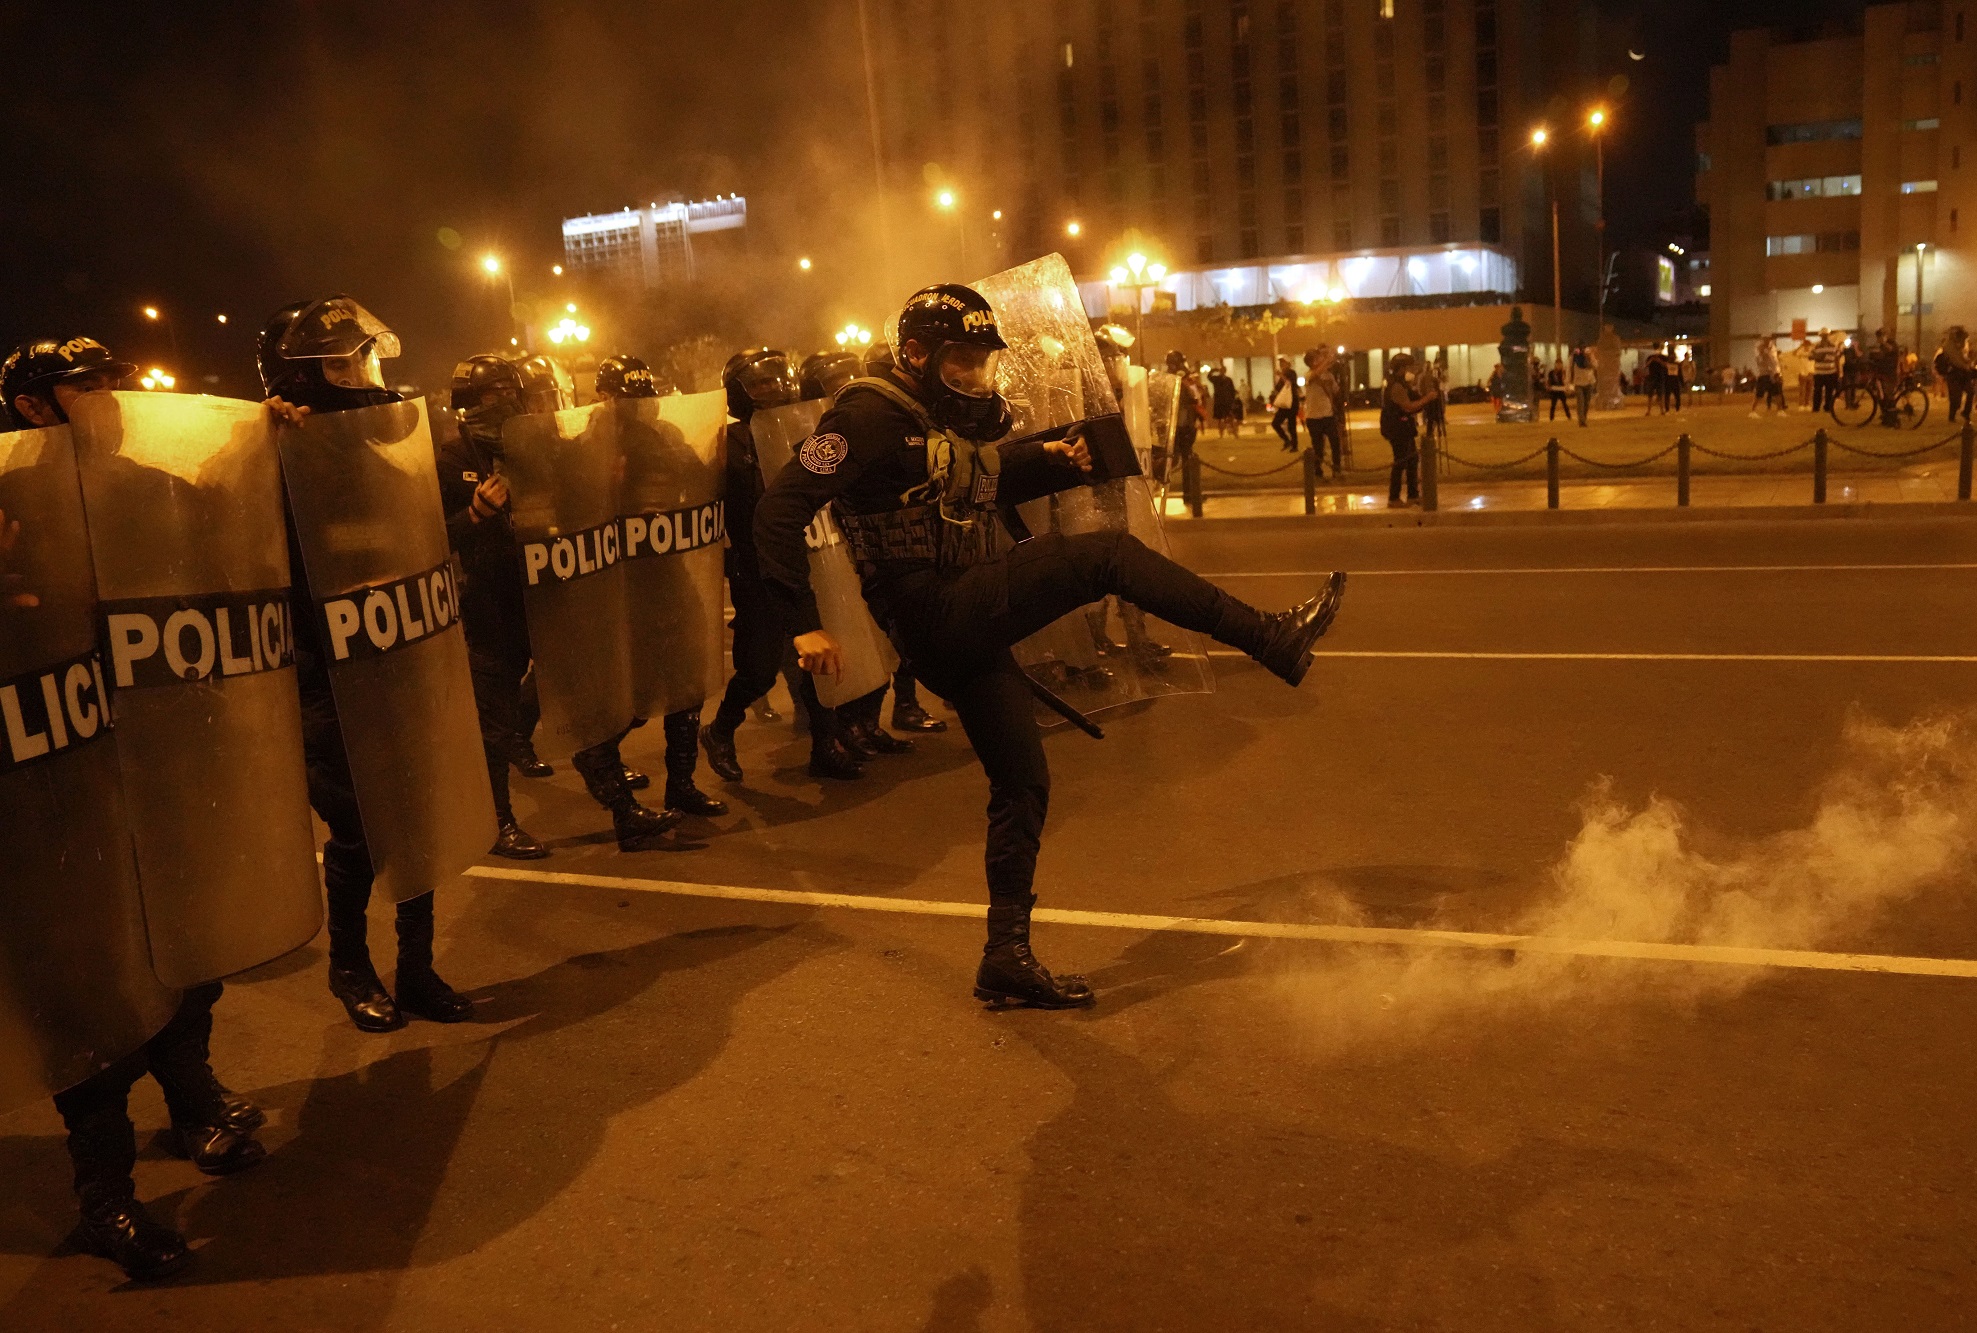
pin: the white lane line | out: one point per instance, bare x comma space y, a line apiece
1722, 954
1631, 657
1577, 569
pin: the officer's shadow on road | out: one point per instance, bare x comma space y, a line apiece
438, 1150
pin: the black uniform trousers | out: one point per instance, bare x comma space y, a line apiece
102, 1141
347, 871
760, 641
957, 626
497, 662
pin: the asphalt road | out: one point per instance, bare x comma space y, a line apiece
681, 1111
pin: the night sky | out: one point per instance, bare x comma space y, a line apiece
226, 157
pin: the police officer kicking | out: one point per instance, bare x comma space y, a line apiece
629, 377
210, 1125
757, 379
900, 460
326, 356
488, 391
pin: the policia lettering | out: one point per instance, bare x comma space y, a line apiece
172, 640
368, 622
633, 537
52, 710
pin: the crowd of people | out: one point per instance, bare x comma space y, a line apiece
930, 530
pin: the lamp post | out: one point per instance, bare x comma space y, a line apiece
157, 315
494, 268
1539, 138
1920, 246
1597, 122
947, 202
1136, 275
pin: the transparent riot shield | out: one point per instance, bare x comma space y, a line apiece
1137, 408
365, 500
1163, 401
1053, 375
564, 470
183, 496
76, 986
672, 515
869, 657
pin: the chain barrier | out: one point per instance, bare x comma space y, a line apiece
1538, 452
1902, 453
1753, 458
1295, 462
1618, 467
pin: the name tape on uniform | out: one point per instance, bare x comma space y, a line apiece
633, 537
172, 640
52, 710
384, 617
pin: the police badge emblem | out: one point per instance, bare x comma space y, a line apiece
822, 453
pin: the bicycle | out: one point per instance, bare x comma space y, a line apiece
1861, 400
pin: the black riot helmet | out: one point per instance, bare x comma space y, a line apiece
878, 361
625, 377
546, 386
487, 390
824, 373
757, 378
1177, 363
955, 326
34, 369
326, 355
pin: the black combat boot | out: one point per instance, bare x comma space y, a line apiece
1011, 975
1096, 617
421, 993
352, 979
527, 764
636, 780
682, 755
114, 1225
873, 739
514, 842
907, 715
179, 1058
1284, 642
604, 777
719, 742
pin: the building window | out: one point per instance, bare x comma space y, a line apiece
1703, 290
1342, 233
1813, 131
1925, 123
1438, 227
1808, 243
1389, 231
1918, 187
1702, 161
1490, 224
1813, 187
1204, 249
1920, 58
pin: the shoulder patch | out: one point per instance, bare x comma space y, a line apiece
822, 453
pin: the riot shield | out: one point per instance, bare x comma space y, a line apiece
672, 515
1053, 375
76, 986
564, 470
365, 500
183, 496
869, 657
1163, 401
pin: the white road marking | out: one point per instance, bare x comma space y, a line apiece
1578, 569
1631, 657
1720, 954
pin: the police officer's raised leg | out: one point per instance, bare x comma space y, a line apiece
907, 714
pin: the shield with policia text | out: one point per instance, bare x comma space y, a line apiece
183, 497
618, 512
869, 657
1053, 375
671, 496
365, 500
77, 991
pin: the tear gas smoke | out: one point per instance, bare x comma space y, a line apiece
1897, 817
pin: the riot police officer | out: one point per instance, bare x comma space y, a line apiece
907, 714
629, 377
210, 1125
824, 373
755, 379
920, 522
488, 391
325, 356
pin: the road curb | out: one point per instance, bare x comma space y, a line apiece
1570, 518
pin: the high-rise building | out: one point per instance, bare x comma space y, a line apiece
1262, 149
1832, 169
648, 247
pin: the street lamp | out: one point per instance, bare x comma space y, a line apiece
854, 335
1136, 275
945, 201
1072, 229
157, 316
1539, 138
1597, 122
1920, 246
804, 263
556, 269
496, 269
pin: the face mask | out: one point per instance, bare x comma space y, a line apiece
484, 422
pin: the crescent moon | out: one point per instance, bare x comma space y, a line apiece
1636, 55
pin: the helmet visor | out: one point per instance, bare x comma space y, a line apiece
362, 370
968, 369
769, 382
337, 326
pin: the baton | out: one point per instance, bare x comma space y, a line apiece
1064, 710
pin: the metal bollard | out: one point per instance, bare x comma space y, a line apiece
1819, 466
1551, 473
1311, 480
1430, 494
1963, 462
1682, 445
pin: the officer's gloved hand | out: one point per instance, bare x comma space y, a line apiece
490, 498
1072, 448
286, 410
818, 653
